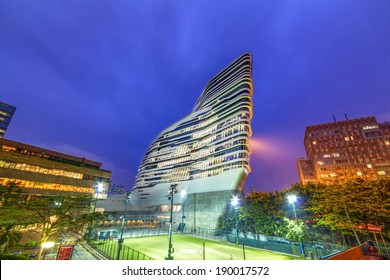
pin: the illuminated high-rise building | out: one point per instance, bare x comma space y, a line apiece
205, 153
343, 150
6, 113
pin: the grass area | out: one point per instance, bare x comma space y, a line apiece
190, 248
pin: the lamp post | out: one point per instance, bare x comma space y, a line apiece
120, 240
183, 195
234, 203
45, 246
291, 199
170, 249
99, 188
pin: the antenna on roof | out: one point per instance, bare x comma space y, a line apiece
346, 117
334, 118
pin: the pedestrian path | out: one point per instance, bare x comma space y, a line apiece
82, 250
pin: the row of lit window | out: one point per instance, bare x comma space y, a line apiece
191, 128
370, 127
178, 177
216, 161
173, 162
194, 156
333, 155
204, 174
202, 153
177, 173
204, 142
358, 173
204, 132
185, 149
46, 186
38, 169
227, 86
230, 121
218, 170
200, 165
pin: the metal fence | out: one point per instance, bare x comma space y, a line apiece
110, 249
313, 250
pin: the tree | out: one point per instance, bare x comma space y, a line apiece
90, 220
262, 213
8, 238
296, 230
11, 215
57, 213
353, 206
226, 220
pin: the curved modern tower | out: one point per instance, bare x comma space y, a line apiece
206, 153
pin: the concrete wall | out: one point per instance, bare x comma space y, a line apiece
351, 254
202, 210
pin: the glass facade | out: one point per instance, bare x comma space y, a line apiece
46, 172
6, 113
209, 142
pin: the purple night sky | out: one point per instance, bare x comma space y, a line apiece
101, 79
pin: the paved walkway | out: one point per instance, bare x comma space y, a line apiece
81, 251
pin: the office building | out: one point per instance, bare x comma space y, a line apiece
205, 153
6, 114
343, 150
44, 172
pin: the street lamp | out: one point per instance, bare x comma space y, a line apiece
234, 203
291, 199
99, 189
170, 197
120, 240
45, 246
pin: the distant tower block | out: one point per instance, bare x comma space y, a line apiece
345, 150
6, 114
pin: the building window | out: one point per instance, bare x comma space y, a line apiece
369, 127
359, 173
